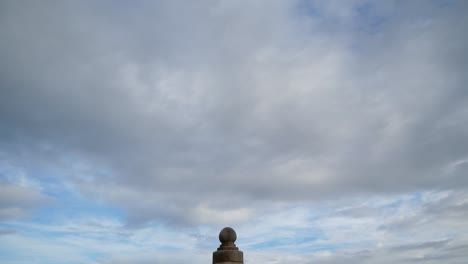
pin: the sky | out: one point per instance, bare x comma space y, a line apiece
323, 132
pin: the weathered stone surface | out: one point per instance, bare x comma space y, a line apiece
227, 252
221, 256
227, 236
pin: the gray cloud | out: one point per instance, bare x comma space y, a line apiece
429, 252
425, 245
448, 211
16, 201
176, 110
4, 232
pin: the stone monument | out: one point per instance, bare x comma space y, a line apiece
227, 252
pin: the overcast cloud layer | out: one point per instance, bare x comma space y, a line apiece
323, 131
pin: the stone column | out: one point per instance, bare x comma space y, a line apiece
227, 252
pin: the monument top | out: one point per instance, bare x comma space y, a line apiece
227, 252
227, 236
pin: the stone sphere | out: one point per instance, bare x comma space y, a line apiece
227, 235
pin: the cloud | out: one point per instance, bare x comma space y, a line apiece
16, 201
296, 233
4, 232
252, 101
425, 245
224, 112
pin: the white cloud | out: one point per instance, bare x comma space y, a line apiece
227, 112
363, 230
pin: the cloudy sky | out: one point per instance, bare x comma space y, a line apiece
324, 132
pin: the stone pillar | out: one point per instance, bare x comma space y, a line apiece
227, 252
